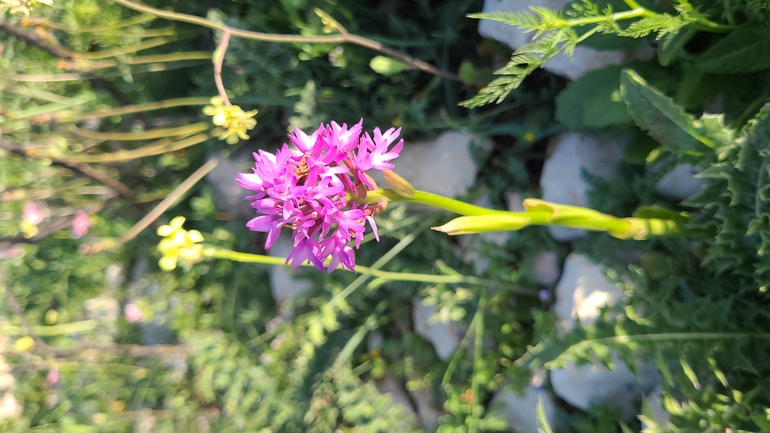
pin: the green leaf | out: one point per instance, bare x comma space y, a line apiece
762, 421
387, 66
593, 100
746, 49
672, 44
665, 121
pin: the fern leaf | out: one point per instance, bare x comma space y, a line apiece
662, 24
524, 19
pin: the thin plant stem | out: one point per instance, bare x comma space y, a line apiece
157, 148
131, 109
158, 210
219, 59
177, 131
218, 253
478, 364
343, 37
42, 22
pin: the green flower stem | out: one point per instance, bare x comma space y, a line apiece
217, 253
477, 219
433, 200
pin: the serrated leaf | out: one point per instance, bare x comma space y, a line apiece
662, 119
672, 44
746, 49
593, 100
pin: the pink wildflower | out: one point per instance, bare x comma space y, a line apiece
31, 213
133, 313
52, 377
310, 187
79, 225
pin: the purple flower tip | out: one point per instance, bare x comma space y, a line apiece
307, 189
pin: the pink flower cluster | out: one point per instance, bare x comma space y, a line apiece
311, 188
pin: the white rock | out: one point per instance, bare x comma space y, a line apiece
582, 292
520, 410
442, 166
473, 245
562, 179
654, 411
445, 337
680, 183
583, 59
228, 195
283, 285
427, 411
587, 385
546, 268
388, 385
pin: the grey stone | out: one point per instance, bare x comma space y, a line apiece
582, 292
519, 410
445, 337
562, 179
228, 195
441, 166
546, 268
283, 285
680, 183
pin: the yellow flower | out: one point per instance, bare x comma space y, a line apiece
179, 245
24, 6
24, 344
235, 121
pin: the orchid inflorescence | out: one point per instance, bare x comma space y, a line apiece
312, 189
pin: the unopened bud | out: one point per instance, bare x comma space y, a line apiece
398, 184
466, 225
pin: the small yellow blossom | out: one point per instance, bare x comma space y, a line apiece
28, 229
24, 6
23, 344
529, 136
179, 245
232, 118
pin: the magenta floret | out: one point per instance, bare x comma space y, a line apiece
308, 188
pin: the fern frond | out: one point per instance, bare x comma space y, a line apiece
525, 20
496, 91
549, 20
523, 62
662, 25
584, 9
